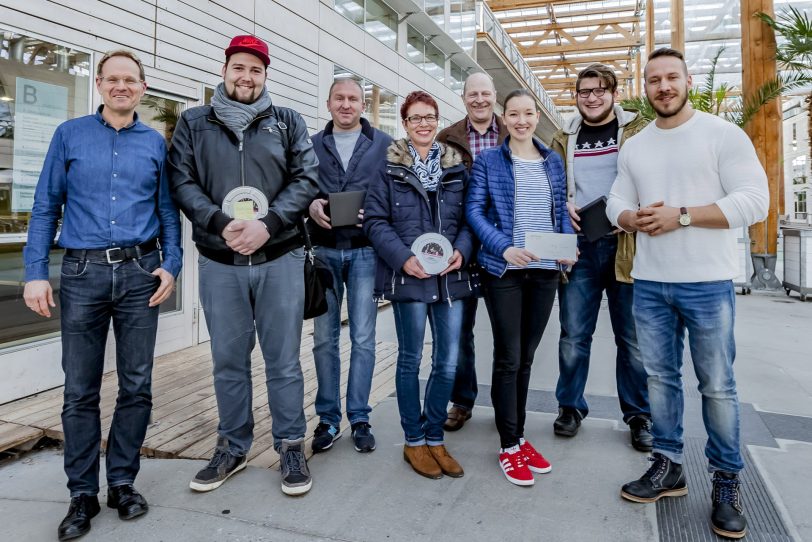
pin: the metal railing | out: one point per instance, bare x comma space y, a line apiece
489, 24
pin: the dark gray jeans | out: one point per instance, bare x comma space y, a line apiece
241, 303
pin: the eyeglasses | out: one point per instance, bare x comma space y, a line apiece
417, 120
598, 92
115, 81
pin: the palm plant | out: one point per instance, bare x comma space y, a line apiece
166, 112
794, 57
793, 54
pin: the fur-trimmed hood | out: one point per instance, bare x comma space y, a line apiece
398, 154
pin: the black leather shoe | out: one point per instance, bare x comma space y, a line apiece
568, 422
77, 522
129, 503
640, 427
663, 479
727, 518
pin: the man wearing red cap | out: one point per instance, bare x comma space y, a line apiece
244, 171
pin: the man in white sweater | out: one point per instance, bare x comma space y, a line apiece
687, 183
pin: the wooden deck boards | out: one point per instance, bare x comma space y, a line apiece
184, 413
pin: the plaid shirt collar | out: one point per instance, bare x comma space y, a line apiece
479, 142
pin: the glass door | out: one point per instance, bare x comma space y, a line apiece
176, 326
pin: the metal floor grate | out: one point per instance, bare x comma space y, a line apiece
688, 518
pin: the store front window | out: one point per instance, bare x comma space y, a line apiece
42, 84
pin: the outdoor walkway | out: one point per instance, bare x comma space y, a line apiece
184, 412
377, 497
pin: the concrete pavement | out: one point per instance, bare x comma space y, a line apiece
377, 497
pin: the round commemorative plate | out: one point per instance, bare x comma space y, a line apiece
245, 203
433, 252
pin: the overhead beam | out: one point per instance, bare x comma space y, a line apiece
507, 5
602, 45
592, 59
558, 25
649, 26
565, 15
677, 25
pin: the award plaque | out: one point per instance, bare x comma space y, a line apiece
245, 203
433, 252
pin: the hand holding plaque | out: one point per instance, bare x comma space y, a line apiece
245, 203
433, 251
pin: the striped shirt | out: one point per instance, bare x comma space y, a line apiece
534, 205
479, 142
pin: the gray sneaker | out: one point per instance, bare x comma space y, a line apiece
296, 478
221, 467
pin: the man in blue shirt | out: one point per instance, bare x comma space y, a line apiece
104, 176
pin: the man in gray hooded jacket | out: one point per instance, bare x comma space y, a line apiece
589, 145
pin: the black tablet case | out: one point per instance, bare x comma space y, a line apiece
344, 207
594, 223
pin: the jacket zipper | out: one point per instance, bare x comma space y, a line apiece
440, 229
242, 155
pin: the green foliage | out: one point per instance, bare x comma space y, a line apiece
641, 105
795, 27
794, 57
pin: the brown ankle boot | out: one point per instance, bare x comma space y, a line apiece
422, 462
448, 464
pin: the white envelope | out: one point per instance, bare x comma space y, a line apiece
551, 246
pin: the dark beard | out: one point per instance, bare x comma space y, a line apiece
601, 118
233, 97
665, 114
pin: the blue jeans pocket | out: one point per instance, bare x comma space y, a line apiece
73, 267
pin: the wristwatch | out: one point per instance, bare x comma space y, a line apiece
684, 217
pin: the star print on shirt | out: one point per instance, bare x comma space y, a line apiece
598, 144
611, 141
586, 145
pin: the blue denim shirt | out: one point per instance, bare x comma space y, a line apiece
114, 190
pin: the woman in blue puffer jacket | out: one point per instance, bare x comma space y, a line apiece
517, 188
422, 191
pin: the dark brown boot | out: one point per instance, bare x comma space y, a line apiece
422, 462
448, 464
457, 416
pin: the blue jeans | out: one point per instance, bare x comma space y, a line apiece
465, 389
426, 426
241, 303
664, 311
92, 294
355, 268
579, 306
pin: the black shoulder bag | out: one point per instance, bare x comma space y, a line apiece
317, 278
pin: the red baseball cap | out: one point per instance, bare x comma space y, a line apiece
251, 45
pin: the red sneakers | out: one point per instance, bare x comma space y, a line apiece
534, 460
515, 468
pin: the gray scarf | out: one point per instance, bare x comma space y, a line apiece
237, 115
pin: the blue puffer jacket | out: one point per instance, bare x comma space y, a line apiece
491, 195
396, 212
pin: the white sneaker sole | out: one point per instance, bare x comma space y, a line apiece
321, 450
297, 490
523, 483
540, 471
212, 486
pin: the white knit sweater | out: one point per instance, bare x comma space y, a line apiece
703, 161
